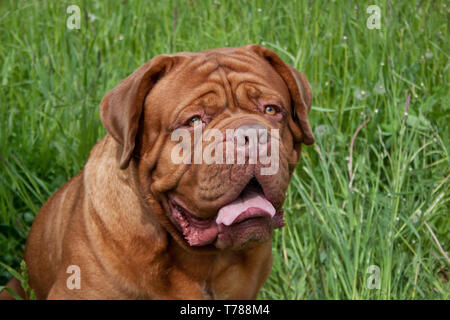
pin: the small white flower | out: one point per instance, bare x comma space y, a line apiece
263, 43
259, 9
326, 84
382, 64
376, 110
92, 17
121, 37
379, 89
422, 84
322, 130
360, 94
344, 37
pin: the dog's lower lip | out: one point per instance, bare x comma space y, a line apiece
189, 215
250, 209
178, 204
197, 231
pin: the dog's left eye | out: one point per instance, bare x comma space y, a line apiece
270, 110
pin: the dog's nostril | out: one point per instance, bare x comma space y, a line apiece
251, 135
262, 137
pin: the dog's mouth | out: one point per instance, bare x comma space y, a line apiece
250, 217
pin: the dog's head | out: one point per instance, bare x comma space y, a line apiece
213, 138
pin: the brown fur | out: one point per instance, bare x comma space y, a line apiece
111, 219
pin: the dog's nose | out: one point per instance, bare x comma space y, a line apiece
251, 135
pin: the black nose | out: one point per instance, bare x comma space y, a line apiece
254, 133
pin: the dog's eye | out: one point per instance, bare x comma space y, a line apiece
195, 121
270, 110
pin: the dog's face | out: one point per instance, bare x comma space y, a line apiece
214, 137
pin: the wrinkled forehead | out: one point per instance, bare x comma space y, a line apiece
218, 71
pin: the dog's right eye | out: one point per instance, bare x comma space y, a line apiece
194, 121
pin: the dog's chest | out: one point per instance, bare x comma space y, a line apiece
208, 291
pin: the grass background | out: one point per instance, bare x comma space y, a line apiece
53, 78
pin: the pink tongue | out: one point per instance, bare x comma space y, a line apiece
248, 199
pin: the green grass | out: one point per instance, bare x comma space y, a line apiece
52, 80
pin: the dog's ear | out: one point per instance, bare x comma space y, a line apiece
121, 108
299, 89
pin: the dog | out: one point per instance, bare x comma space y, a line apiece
135, 224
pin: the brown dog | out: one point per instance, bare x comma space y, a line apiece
133, 224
